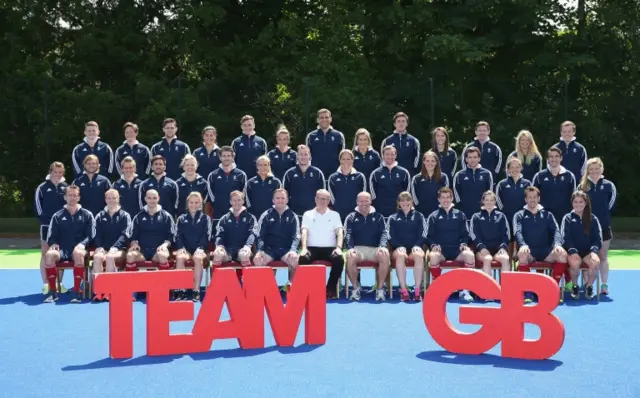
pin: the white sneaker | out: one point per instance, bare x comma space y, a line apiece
466, 296
355, 294
381, 295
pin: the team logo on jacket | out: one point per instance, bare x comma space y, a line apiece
48, 189
125, 153
64, 218
311, 174
562, 178
161, 149
241, 144
575, 150
488, 150
509, 186
481, 178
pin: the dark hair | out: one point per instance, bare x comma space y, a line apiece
556, 150
132, 125
434, 144
169, 120
437, 172
587, 215
159, 157
227, 148
401, 114
531, 188
444, 190
471, 150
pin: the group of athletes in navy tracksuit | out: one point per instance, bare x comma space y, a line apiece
169, 204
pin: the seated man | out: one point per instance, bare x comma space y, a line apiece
538, 237
70, 231
235, 233
153, 234
447, 237
278, 234
321, 239
366, 239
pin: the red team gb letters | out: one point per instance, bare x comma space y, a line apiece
260, 291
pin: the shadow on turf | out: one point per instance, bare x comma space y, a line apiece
206, 356
490, 360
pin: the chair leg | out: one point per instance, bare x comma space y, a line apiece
390, 287
346, 284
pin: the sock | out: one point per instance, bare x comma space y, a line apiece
560, 269
435, 272
164, 266
131, 267
524, 268
52, 277
78, 276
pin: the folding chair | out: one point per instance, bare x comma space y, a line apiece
370, 265
447, 264
62, 265
496, 268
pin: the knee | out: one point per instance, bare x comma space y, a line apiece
79, 253
486, 259
523, 258
182, 258
502, 258
98, 258
467, 257
434, 259
294, 259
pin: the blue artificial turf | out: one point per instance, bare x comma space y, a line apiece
373, 350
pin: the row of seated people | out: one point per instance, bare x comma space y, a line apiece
152, 235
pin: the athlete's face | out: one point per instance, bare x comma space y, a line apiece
567, 133
473, 159
595, 171
91, 132
112, 199
364, 203
578, 204
209, 137
170, 130
515, 168
237, 202
56, 174
430, 162
91, 166
363, 141
283, 139
324, 120
194, 204
405, 205
441, 139
248, 126
445, 200
482, 132
152, 198
322, 200
130, 134
72, 197
532, 199
280, 200
226, 158
263, 167
128, 169
389, 156
489, 202
190, 166
554, 159
158, 167
304, 157
346, 161
525, 143
401, 124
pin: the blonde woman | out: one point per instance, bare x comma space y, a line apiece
192, 241
260, 188
366, 159
282, 157
528, 154
189, 182
491, 234
602, 194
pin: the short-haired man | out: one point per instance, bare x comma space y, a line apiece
224, 180
70, 232
161, 183
538, 237
248, 146
448, 237
574, 155
470, 183
136, 150
302, 180
366, 240
407, 146
325, 144
278, 234
490, 152
128, 186
556, 185
171, 148
235, 233
321, 239
92, 145
92, 185
387, 182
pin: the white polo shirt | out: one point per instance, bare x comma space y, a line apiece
322, 227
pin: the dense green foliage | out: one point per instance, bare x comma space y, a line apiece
515, 63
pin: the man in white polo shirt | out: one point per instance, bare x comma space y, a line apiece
322, 238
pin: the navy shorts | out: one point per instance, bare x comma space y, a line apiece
450, 253
275, 253
44, 231
583, 253
492, 250
148, 253
607, 234
539, 254
66, 254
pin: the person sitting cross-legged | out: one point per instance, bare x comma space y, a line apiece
235, 233
407, 231
447, 237
366, 240
278, 235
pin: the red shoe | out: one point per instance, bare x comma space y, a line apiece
417, 297
404, 295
